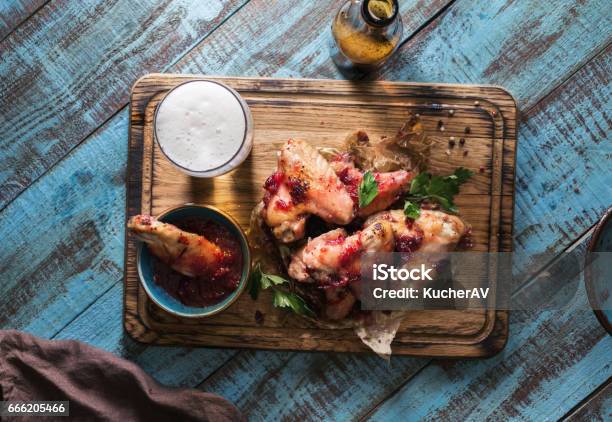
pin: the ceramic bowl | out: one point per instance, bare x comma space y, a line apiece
157, 293
598, 283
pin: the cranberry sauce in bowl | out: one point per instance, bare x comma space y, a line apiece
216, 286
218, 283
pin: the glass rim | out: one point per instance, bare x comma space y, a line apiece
246, 138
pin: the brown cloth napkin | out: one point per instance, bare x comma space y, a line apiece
98, 385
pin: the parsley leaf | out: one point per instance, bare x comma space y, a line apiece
462, 175
255, 282
368, 189
262, 281
441, 189
412, 210
281, 299
268, 280
419, 184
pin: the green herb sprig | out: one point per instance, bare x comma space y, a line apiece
282, 298
412, 210
440, 189
368, 189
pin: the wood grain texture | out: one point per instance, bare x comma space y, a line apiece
512, 384
564, 167
58, 86
80, 76
176, 366
530, 51
62, 245
549, 64
562, 341
570, 119
322, 394
323, 112
328, 388
107, 142
521, 45
597, 408
318, 386
558, 110
296, 46
14, 12
309, 386
217, 53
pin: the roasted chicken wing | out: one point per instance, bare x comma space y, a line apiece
434, 231
303, 184
333, 258
188, 253
333, 261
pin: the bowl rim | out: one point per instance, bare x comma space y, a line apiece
233, 296
603, 320
246, 139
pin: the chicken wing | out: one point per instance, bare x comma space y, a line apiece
333, 258
434, 231
333, 261
303, 184
390, 185
188, 253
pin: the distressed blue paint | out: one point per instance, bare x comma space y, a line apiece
309, 386
530, 49
57, 86
83, 73
323, 384
289, 373
101, 325
598, 408
62, 246
564, 163
295, 46
474, 390
526, 47
14, 12
59, 202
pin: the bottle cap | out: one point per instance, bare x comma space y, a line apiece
379, 12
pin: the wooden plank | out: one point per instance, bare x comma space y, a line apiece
336, 391
62, 240
546, 346
533, 62
431, 51
42, 310
291, 108
70, 67
308, 386
522, 46
295, 46
14, 12
52, 308
539, 340
309, 383
564, 165
564, 341
598, 407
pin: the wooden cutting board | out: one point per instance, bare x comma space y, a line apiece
323, 112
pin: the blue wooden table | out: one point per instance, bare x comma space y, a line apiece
66, 67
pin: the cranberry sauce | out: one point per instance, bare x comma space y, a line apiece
219, 283
272, 185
